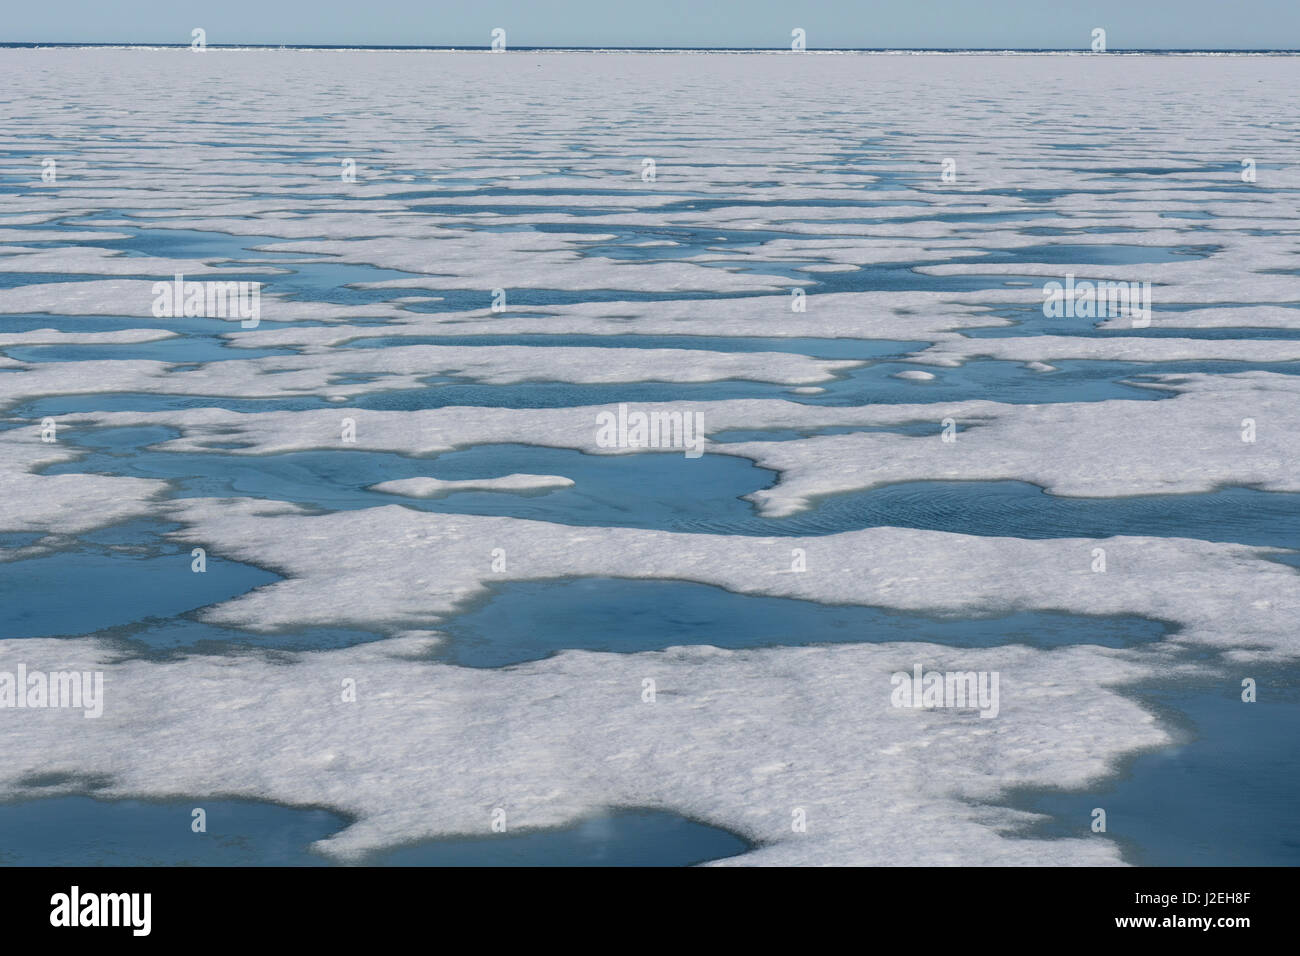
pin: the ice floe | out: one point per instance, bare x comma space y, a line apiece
435, 487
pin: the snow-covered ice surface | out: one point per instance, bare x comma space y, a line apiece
436, 487
730, 245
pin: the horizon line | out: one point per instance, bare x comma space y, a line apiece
576, 48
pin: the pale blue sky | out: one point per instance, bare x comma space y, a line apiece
1209, 24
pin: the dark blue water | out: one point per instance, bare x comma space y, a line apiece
1029, 320
153, 402
529, 620
196, 329
85, 831
1097, 254
656, 490
1072, 380
617, 838
667, 491
186, 244
178, 351
1223, 795
1012, 382
174, 637
119, 576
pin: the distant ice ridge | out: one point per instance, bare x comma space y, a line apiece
635, 51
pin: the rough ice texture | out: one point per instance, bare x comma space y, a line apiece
94, 261
956, 350
736, 739
851, 315
396, 568
57, 506
1196, 441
